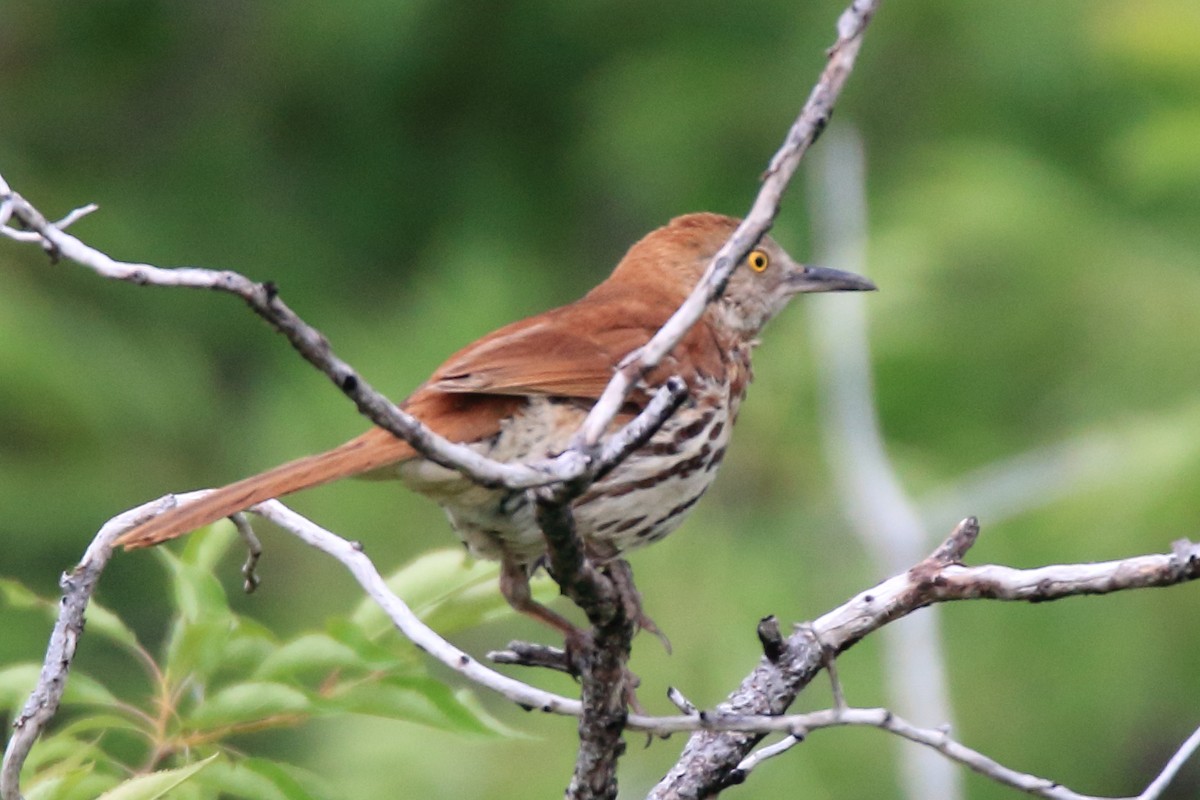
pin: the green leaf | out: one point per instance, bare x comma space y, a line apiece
475, 605
449, 591
76, 783
47, 788
156, 784
469, 702
17, 681
205, 548
312, 653
102, 723
197, 647
260, 779
99, 619
249, 645
422, 700
374, 655
58, 755
249, 702
423, 584
102, 621
197, 593
16, 595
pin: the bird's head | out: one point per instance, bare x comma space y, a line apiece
673, 258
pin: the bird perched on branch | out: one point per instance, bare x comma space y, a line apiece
519, 393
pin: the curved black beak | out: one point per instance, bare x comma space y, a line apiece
824, 279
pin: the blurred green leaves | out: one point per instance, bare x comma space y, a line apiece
223, 678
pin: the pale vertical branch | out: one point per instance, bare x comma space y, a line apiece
1154, 445
870, 491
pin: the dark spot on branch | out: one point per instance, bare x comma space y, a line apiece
271, 290
350, 383
770, 638
821, 123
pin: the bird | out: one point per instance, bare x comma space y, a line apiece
520, 393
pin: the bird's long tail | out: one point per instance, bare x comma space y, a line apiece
374, 449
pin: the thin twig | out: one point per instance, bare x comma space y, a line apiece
747, 764
939, 739
1172, 767
250, 579
680, 701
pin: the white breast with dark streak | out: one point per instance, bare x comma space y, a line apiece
653, 491
640, 501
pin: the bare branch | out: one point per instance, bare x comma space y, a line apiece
264, 300
725, 734
798, 726
75, 215
527, 654
78, 586
939, 739
351, 556
710, 759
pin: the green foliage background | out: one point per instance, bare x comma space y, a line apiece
413, 174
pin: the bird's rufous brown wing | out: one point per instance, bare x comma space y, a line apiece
568, 352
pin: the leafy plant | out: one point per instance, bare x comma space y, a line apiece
222, 675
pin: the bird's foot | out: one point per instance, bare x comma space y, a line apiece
621, 575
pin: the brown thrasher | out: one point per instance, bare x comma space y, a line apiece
520, 393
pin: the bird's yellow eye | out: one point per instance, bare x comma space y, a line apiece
758, 261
